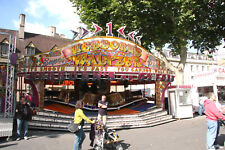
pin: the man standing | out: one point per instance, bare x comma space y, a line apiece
23, 115
102, 112
212, 116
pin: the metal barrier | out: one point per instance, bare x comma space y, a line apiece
6, 127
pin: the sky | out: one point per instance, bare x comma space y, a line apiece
40, 14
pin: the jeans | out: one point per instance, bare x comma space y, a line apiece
21, 122
201, 109
217, 133
211, 133
79, 138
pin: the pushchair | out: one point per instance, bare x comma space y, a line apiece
222, 123
106, 138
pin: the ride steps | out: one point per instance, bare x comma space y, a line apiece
50, 120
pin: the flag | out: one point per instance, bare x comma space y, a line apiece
97, 28
75, 34
121, 31
138, 39
85, 32
131, 35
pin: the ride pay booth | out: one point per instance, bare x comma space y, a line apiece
180, 102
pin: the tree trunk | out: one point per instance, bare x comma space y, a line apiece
178, 70
179, 77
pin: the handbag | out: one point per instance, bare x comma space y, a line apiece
72, 127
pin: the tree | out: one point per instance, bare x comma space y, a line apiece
175, 22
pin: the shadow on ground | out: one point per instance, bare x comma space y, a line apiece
32, 134
7, 145
123, 144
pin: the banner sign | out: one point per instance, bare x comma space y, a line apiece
109, 54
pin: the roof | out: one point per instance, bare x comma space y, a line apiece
41, 42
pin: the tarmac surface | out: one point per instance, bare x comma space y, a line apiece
185, 134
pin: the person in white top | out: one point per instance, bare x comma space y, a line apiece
201, 105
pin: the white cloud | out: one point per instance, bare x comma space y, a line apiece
61, 10
34, 8
34, 27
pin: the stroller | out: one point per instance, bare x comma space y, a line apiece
222, 123
106, 138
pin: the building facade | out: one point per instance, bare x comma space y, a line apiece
195, 64
27, 44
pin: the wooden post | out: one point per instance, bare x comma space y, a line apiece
41, 95
76, 89
108, 86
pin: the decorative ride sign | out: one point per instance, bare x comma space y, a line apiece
99, 55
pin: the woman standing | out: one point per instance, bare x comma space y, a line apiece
79, 118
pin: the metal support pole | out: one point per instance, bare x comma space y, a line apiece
9, 93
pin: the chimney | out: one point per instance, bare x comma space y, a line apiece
52, 30
22, 26
62, 35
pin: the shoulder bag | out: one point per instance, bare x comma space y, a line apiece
72, 127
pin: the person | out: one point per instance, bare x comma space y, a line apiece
212, 115
29, 99
201, 105
220, 108
102, 112
23, 115
79, 118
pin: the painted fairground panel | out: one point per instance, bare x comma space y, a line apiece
98, 54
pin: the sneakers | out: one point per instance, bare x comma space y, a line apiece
217, 146
25, 138
18, 139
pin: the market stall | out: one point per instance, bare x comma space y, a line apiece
211, 81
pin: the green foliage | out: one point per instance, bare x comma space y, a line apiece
160, 21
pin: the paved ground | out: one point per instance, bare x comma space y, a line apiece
186, 134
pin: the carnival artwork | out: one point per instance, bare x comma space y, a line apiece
98, 55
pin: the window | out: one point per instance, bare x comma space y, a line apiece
30, 51
208, 68
191, 68
204, 57
203, 67
184, 97
4, 49
196, 67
